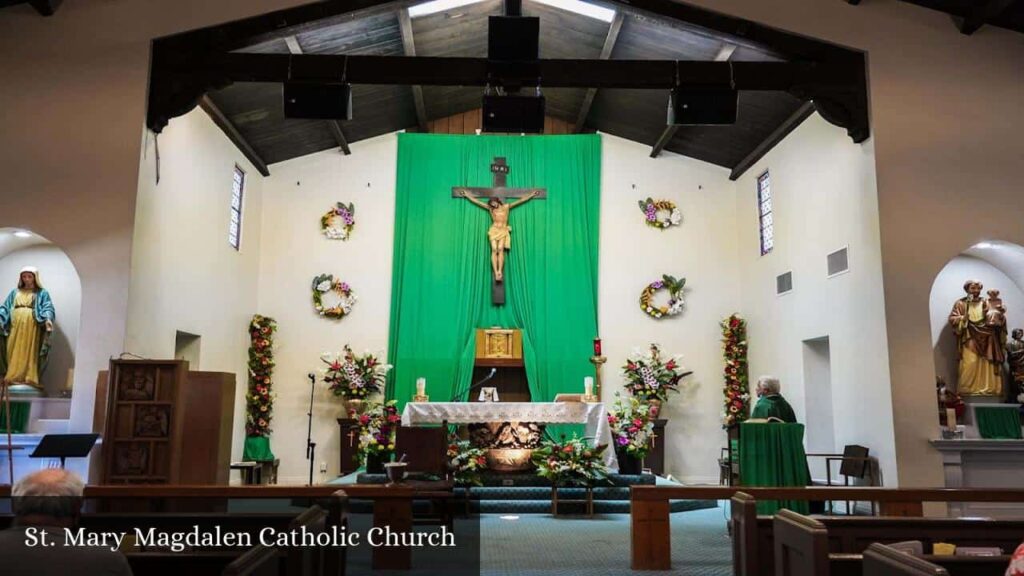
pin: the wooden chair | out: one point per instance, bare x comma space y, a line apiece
882, 560
426, 452
801, 545
854, 463
257, 561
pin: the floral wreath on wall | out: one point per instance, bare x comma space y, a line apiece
338, 222
325, 283
736, 391
675, 297
259, 401
652, 209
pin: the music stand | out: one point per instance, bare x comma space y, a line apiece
64, 446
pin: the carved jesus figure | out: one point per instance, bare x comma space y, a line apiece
500, 233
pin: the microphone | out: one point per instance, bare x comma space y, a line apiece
312, 378
474, 386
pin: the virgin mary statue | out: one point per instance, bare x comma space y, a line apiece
26, 321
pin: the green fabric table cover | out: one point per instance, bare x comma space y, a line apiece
257, 449
998, 422
773, 455
19, 417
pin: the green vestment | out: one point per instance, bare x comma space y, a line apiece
774, 405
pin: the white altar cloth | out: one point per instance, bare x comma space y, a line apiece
591, 414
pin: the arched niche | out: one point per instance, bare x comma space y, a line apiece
20, 248
998, 265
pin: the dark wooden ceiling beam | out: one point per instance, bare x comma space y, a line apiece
982, 14
46, 7
339, 135
606, 53
554, 73
664, 139
777, 135
409, 48
233, 134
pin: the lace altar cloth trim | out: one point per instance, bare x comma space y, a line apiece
593, 415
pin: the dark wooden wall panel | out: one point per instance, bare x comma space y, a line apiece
468, 123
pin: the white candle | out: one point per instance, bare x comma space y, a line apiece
951, 419
588, 386
421, 386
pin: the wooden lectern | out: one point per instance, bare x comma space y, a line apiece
162, 424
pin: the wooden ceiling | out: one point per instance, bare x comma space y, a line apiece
255, 109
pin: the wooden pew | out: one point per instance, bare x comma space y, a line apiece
753, 547
801, 545
307, 560
257, 561
801, 549
881, 560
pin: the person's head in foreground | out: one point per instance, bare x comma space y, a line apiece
51, 497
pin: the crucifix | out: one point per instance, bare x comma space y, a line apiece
500, 233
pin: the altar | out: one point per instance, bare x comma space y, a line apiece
592, 415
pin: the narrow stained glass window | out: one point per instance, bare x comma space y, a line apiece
237, 195
767, 220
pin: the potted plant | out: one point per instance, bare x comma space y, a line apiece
377, 427
571, 463
650, 377
632, 427
354, 377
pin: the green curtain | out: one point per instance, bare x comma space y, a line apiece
19, 417
442, 269
773, 455
998, 422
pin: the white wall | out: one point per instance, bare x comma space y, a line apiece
824, 199
60, 279
632, 255
185, 275
948, 288
293, 252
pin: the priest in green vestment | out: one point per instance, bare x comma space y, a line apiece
770, 403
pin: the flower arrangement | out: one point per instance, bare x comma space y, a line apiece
354, 376
737, 386
377, 427
675, 297
325, 283
651, 208
466, 462
259, 403
649, 377
345, 213
573, 462
632, 427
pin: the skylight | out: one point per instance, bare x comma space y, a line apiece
575, 6
435, 6
582, 8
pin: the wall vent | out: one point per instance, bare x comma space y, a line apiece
838, 262
784, 283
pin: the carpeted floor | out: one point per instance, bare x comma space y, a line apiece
540, 545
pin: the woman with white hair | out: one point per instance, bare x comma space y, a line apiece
26, 321
770, 403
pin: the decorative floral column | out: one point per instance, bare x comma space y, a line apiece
259, 400
736, 391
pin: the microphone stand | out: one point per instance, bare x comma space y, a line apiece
471, 388
310, 445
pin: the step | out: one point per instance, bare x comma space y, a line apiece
528, 480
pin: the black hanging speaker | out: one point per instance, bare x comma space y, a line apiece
318, 101
513, 38
513, 113
712, 105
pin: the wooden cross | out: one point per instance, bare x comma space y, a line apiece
500, 169
351, 438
